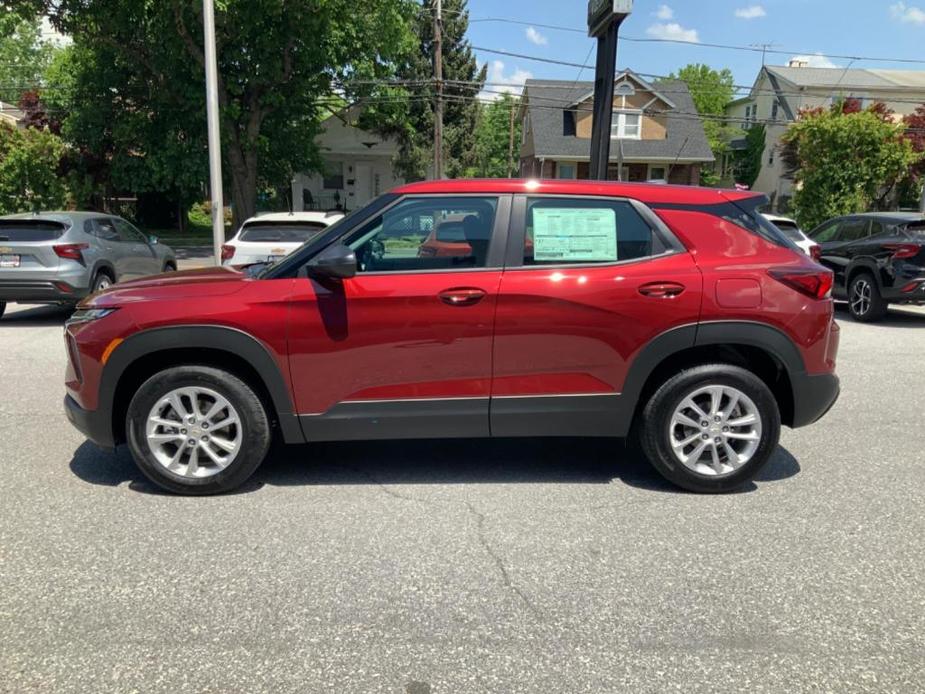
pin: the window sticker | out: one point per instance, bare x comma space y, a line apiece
574, 235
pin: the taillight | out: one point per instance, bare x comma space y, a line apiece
815, 252
227, 252
71, 251
814, 283
903, 250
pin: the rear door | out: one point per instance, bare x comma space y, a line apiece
588, 283
27, 248
113, 249
841, 241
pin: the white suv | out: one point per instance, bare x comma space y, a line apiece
269, 237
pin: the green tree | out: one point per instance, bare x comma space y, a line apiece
406, 111
24, 56
29, 162
841, 162
748, 161
140, 66
493, 139
711, 90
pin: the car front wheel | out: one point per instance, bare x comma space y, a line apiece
711, 428
197, 430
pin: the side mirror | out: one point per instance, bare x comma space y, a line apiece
152, 239
337, 261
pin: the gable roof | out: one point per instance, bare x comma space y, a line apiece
860, 78
548, 100
629, 75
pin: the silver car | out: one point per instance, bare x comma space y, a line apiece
61, 257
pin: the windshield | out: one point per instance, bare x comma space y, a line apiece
19, 230
281, 232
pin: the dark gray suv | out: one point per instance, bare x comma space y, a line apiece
61, 257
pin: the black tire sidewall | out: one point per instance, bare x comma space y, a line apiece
878, 307
2, 308
661, 406
255, 425
96, 278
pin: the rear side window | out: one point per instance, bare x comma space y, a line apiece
284, 232
563, 231
30, 231
853, 230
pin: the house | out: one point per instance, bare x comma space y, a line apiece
780, 93
656, 131
357, 167
11, 115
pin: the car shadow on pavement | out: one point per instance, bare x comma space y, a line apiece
496, 461
898, 317
36, 317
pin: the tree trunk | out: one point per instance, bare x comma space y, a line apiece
243, 184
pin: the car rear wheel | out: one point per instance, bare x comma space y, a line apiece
864, 300
100, 282
170, 267
2, 308
197, 430
711, 428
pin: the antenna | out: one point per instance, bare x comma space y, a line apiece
765, 47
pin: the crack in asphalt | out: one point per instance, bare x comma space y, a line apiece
499, 562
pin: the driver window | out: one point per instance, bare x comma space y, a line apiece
445, 233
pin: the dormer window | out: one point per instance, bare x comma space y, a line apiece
626, 125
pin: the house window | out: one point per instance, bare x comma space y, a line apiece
567, 170
657, 173
775, 108
626, 125
771, 156
334, 176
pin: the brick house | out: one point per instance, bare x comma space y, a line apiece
656, 132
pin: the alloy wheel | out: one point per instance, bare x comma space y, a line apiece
194, 432
715, 430
861, 296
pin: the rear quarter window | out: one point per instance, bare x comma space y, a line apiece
30, 231
916, 230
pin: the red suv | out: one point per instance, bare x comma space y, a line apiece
571, 309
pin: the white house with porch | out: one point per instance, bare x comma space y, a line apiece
358, 167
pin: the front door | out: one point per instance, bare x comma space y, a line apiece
590, 282
403, 349
363, 186
141, 259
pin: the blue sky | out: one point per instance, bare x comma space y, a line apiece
877, 28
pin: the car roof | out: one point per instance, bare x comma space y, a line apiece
66, 217
644, 192
313, 216
890, 216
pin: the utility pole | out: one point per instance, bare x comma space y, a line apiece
510, 145
215, 140
438, 83
604, 20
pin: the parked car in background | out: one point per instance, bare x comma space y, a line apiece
878, 259
269, 237
569, 308
61, 257
792, 231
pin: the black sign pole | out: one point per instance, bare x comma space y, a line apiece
603, 101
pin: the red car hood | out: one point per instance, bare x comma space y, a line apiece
212, 281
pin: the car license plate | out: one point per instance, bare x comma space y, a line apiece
274, 258
9, 260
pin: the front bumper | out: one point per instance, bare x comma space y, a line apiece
96, 425
40, 291
813, 397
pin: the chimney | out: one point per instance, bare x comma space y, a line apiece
798, 62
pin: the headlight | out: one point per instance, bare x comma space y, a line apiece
85, 315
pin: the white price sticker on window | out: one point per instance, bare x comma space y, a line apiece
567, 235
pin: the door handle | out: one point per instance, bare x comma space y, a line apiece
463, 296
662, 290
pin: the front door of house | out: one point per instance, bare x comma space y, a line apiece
363, 188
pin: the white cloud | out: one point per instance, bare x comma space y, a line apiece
511, 83
664, 13
751, 12
907, 13
533, 36
815, 60
673, 32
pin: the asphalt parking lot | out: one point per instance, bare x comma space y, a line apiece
446, 567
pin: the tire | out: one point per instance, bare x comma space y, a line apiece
2, 308
659, 426
101, 281
169, 267
865, 302
250, 435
